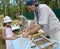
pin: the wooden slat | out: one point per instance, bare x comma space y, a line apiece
40, 42
51, 45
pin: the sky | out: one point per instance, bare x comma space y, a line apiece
11, 1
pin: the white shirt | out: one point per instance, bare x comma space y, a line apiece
47, 19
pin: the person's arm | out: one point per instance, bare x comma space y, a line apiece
24, 19
28, 28
17, 36
35, 29
6, 38
20, 23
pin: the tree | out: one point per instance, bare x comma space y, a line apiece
11, 7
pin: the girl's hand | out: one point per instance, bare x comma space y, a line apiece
14, 38
18, 36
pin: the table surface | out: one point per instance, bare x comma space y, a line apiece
17, 45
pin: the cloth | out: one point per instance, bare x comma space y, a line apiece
56, 35
36, 12
47, 19
9, 33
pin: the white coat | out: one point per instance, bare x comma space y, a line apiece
48, 20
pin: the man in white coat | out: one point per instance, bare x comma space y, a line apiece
44, 19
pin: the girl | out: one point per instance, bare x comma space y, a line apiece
7, 33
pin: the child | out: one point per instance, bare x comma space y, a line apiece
7, 33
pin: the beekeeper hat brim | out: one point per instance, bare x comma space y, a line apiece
7, 19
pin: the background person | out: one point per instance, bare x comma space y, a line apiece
22, 21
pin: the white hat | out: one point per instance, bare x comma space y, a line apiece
7, 19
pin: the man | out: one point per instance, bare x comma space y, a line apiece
22, 21
44, 19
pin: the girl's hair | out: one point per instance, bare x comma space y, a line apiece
4, 24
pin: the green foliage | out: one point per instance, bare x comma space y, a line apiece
18, 6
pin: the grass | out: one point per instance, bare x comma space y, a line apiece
2, 47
